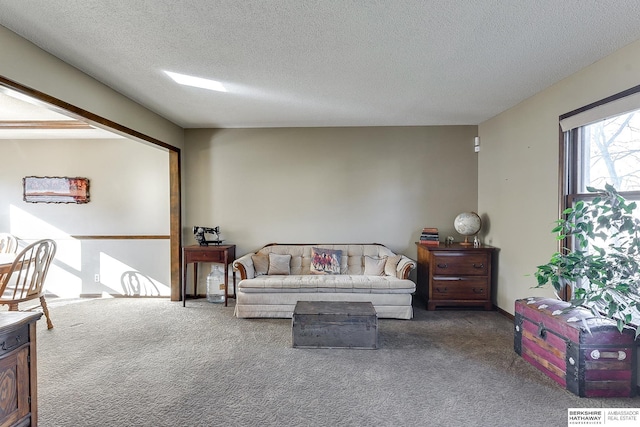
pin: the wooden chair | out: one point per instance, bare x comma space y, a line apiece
8, 243
25, 280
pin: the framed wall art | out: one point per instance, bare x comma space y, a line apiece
55, 189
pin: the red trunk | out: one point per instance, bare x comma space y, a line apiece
588, 356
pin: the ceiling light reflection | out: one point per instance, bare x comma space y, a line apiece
199, 82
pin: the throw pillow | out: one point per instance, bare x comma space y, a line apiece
279, 264
374, 266
260, 264
325, 261
391, 266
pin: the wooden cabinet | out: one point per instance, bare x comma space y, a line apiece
18, 380
455, 275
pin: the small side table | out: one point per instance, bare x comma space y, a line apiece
224, 254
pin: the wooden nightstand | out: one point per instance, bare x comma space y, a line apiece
223, 254
455, 275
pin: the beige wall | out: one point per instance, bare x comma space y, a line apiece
129, 190
518, 169
317, 185
25, 63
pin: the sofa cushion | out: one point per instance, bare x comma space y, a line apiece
327, 283
374, 266
260, 264
279, 264
391, 266
325, 261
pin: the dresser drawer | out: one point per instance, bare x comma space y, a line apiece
11, 340
460, 264
206, 256
459, 289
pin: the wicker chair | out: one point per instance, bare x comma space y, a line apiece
25, 280
8, 243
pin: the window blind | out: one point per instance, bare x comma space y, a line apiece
614, 105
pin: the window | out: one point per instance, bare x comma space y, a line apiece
601, 145
607, 152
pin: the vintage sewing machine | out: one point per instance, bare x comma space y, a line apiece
199, 234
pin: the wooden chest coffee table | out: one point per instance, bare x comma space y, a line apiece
334, 324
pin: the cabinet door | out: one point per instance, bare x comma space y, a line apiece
14, 386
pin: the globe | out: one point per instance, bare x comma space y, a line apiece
467, 224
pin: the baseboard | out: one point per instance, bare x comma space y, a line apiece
504, 313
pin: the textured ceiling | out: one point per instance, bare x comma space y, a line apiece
328, 62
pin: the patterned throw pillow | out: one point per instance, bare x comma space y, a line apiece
374, 266
279, 264
325, 261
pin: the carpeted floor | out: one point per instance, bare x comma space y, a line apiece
151, 362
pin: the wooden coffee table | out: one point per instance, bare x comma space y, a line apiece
334, 324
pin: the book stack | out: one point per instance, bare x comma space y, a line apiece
430, 237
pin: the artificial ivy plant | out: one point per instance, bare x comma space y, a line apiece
603, 268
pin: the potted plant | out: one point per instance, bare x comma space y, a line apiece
603, 267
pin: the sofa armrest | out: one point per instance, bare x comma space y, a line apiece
405, 266
244, 265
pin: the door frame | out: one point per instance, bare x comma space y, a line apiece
175, 193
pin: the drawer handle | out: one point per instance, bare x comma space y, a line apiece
442, 265
6, 347
441, 290
478, 290
481, 265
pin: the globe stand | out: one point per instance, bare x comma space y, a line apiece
466, 242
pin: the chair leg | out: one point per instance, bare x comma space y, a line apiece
46, 312
13, 307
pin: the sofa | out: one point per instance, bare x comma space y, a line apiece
276, 277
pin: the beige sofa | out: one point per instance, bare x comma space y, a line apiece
276, 277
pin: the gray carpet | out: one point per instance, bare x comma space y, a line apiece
151, 362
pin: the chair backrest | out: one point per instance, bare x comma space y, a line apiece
25, 279
8, 243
